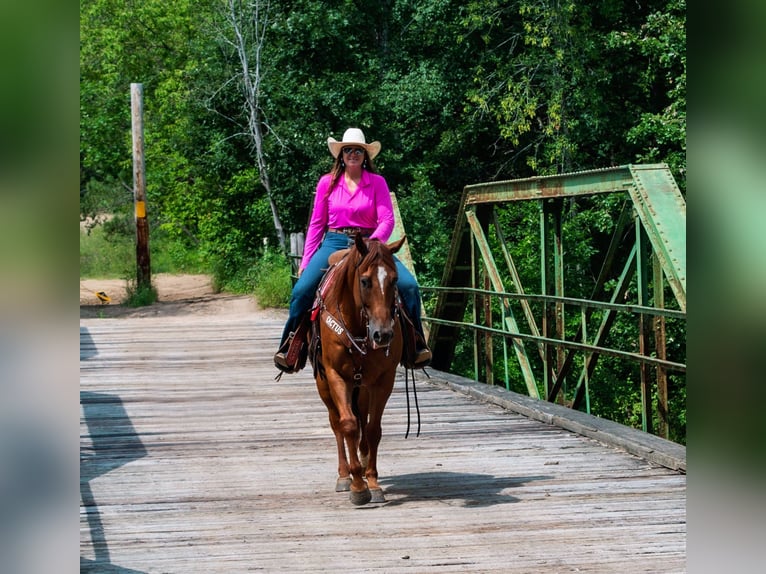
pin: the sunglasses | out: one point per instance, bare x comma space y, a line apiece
353, 150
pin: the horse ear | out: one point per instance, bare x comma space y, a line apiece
361, 246
396, 245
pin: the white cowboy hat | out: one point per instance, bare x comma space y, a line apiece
353, 137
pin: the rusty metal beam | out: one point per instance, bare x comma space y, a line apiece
660, 345
607, 180
644, 328
497, 285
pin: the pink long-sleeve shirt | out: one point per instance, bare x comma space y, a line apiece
369, 206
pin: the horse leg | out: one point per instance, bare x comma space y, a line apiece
364, 408
359, 492
349, 429
343, 483
371, 472
373, 433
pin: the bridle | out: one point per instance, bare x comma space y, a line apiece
338, 325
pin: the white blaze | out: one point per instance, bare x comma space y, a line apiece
382, 273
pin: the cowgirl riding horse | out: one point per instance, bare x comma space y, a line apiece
353, 198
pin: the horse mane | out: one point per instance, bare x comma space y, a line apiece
376, 250
347, 262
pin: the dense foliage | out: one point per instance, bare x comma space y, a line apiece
457, 91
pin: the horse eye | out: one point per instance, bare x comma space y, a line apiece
366, 283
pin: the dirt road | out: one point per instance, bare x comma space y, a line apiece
177, 295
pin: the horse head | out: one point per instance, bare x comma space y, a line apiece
376, 288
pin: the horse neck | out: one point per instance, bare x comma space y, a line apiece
343, 298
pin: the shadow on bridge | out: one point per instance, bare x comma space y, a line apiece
114, 443
468, 489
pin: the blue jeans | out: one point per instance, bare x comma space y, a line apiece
304, 290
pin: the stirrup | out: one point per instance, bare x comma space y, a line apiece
286, 359
422, 358
280, 362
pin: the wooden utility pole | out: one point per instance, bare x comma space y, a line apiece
143, 268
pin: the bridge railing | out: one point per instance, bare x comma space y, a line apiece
615, 238
570, 375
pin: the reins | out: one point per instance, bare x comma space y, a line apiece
415, 395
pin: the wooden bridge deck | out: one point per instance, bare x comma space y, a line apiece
193, 459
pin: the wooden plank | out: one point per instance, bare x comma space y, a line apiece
194, 459
650, 447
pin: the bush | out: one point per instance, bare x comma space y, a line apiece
273, 283
267, 277
139, 296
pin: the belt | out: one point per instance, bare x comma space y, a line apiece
351, 231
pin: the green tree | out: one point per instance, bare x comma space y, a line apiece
457, 93
581, 85
247, 24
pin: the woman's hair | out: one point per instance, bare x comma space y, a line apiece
338, 167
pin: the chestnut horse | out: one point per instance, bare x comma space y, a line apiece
355, 356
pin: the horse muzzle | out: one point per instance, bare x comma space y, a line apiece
381, 338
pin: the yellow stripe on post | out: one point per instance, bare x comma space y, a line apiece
140, 209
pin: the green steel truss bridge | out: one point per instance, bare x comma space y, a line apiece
540, 333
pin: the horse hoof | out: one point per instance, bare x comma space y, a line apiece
360, 498
377, 495
343, 484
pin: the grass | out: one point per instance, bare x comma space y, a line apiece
274, 284
109, 253
268, 278
105, 255
139, 295
103, 258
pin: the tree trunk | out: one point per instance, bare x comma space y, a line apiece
249, 21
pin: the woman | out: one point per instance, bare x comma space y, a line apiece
351, 198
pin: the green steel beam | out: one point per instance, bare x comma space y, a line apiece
653, 193
497, 285
404, 255
652, 188
623, 283
457, 272
515, 278
644, 327
608, 180
604, 274
662, 210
